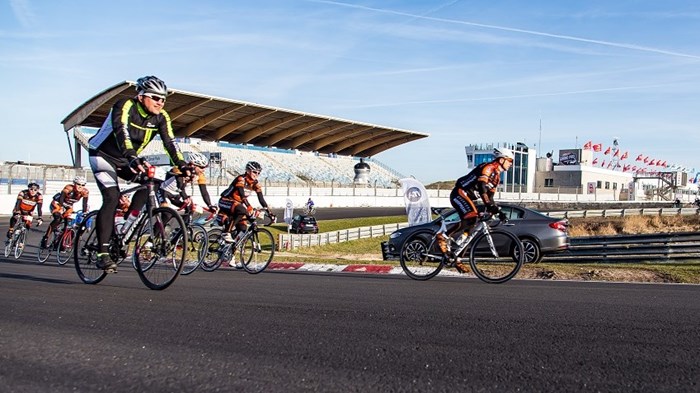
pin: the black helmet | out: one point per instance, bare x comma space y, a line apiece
34, 186
151, 84
253, 166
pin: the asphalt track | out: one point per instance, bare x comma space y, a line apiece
340, 332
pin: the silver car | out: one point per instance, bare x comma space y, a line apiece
540, 234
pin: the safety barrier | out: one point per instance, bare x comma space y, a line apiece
290, 241
666, 211
625, 248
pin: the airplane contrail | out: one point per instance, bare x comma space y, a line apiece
515, 30
561, 93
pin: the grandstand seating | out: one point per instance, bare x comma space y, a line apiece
281, 165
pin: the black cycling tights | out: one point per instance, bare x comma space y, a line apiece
105, 217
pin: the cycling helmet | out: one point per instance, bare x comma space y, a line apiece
34, 186
198, 159
151, 84
80, 180
502, 152
253, 166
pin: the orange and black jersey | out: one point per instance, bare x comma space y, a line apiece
128, 129
69, 195
240, 189
481, 181
26, 202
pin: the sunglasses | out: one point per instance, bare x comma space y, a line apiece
155, 97
255, 172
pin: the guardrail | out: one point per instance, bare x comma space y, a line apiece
290, 241
625, 248
666, 211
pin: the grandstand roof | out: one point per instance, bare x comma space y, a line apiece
221, 119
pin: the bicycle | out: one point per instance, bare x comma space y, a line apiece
17, 241
61, 240
495, 256
255, 248
309, 210
158, 232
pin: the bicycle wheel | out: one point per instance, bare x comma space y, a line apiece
9, 245
211, 260
85, 251
421, 258
257, 250
65, 246
196, 248
160, 249
19, 243
43, 253
496, 257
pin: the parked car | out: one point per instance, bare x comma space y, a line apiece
303, 224
540, 234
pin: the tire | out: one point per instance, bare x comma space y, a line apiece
196, 248
85, 251
19, 243
211, 260
257, 250
65, 246
498, 267
421, 258
9, 245
42, 253
160, 248
531, 250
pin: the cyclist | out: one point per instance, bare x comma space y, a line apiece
310, 205
27, 201
129, 127
62, 205
173, 188
233, 204
480, 182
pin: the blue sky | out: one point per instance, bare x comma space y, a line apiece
463, 71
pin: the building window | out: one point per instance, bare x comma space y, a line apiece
599, 184
607, 185
549, 182
614, 186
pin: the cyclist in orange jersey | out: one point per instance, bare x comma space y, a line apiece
481, 182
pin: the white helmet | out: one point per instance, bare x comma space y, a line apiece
80, 180
198, 159
502, 152
151, 85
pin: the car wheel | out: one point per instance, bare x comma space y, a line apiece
531, 250
414, 247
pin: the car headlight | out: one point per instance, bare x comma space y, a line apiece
394, 235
